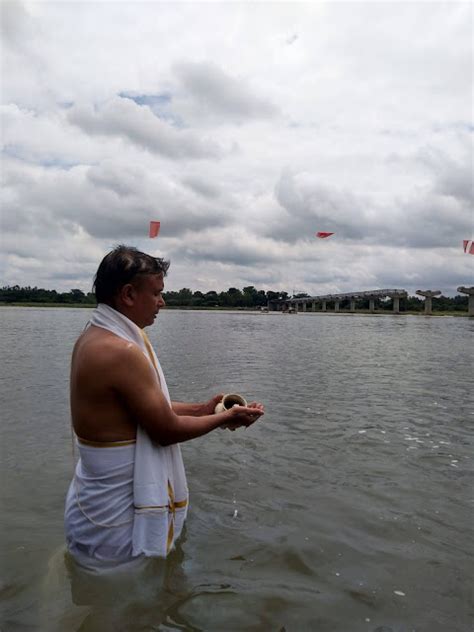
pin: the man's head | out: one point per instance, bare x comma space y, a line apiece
131, 282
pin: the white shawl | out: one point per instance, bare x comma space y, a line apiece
159, 488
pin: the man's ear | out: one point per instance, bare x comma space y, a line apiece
127, 294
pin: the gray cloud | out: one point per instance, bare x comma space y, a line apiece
227, 252
311, 207
123, 118
453, 178
436, 215
14, 24
214, 92
202, 186
110, 201
262, 278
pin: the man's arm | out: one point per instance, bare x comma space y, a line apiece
136, 384
183, 408
197, 409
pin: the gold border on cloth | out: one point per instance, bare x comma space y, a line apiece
106, 444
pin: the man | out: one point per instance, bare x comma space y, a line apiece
129, 497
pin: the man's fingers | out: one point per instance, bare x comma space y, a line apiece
246, 415
256, 405
250, 408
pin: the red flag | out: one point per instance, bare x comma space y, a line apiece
322, 235
154, 229
468, 246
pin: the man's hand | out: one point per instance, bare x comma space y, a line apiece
243, 415
209, 407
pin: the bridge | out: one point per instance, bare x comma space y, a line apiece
301, 304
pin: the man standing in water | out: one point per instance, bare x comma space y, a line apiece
128, 498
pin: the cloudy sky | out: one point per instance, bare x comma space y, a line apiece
244, 128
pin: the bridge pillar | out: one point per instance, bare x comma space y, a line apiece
396, 304
304, 306
313, 308
352, 307
429, 295
470, 292
371, 305
336, 306
323, 305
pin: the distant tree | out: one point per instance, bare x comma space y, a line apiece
261, 298
413, 304
446, 303
250, 296
272, 296
185, 296
78, 296
224, 300
198, 299
460, 303
171, 298
211, 299
235, 297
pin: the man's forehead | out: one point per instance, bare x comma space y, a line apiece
156, 281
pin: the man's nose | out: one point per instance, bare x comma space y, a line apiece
162, 302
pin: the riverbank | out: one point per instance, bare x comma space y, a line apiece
247, 310
93, 305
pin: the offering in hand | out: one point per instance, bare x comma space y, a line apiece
229, 400
243, 419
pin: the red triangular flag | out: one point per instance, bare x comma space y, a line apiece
154, 229
323, 235
468, 246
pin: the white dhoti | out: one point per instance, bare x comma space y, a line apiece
127, 499
99, 504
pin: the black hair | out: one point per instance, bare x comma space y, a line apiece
121, 266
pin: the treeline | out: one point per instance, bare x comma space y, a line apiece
17, 294
247, 298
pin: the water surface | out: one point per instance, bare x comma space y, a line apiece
347, 508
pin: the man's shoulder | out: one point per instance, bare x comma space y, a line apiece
101, 347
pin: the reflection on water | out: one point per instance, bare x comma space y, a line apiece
140, 594
348, 508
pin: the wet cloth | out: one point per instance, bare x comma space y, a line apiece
149, 489
99, 505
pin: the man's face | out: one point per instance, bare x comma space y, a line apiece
148, 298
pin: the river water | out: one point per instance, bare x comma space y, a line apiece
347, 508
